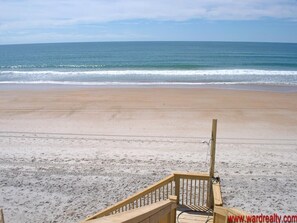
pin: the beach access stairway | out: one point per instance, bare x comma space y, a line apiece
181, 197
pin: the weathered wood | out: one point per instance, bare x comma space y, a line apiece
1, 216
212, 162
213, 148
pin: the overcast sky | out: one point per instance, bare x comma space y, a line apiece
37, 21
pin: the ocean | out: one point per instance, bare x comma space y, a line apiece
146, 63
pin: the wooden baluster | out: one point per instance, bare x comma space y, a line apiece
199, 194
195, 201
203, 192
159, 194
171, 184
177, 188
151, 197
187, 191
206, 197
167, 191
155, 195
191, 188
183, 189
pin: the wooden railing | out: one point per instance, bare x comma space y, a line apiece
159, 212
221, 214
192, 190
152, 194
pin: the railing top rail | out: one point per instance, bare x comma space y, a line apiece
132, 198
202, 175
139, 214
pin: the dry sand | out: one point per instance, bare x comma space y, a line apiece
67, 153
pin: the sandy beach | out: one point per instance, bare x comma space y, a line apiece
66, 153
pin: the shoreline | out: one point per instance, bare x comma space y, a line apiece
240, 87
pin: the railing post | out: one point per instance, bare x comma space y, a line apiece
213, 147
176, 180
212, 161
173, 211
1, 216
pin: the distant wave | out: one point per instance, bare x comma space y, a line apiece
90, 66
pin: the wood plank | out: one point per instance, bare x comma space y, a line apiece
187, 175
213, 148
217, 195
193, 217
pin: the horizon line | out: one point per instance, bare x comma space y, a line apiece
127, 41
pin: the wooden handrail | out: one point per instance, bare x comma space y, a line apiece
162, 211
132, 198
187, 175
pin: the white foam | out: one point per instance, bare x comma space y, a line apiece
116, 83
154, 72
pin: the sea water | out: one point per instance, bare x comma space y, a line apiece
145, 63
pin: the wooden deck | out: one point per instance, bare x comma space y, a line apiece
193, 217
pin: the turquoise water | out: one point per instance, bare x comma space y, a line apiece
150, 63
